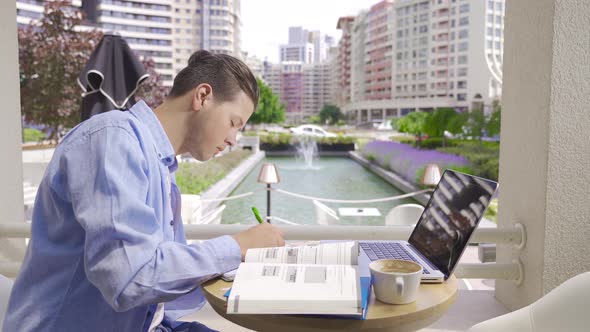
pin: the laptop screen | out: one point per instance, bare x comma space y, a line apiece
450, 217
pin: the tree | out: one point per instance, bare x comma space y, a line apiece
314, 119
493, 124
52, 53
475, 124
412, 123
330, 114
151, 90
441, 120
269, 110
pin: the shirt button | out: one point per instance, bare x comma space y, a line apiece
171, 222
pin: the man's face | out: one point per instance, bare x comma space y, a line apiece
215, 126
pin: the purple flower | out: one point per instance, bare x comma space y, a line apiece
407, 161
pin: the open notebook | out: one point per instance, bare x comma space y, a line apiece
316, 279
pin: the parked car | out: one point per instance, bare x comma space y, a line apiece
385, 125
311, 130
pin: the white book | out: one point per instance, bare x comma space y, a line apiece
311, 279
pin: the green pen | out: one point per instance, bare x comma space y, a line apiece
257, 215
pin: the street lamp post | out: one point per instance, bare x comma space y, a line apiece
268, 174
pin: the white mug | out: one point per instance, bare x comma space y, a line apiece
395, 281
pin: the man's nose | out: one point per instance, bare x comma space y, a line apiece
231, 139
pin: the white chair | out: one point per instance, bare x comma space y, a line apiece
5, 288
565, 308
404, 215
213, 216
323, 214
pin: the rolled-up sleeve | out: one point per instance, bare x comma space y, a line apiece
125, 254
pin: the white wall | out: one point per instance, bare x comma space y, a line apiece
545, 150
11, 176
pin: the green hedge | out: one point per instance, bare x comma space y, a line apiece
484, 157
33, 135
285, 138
193, 178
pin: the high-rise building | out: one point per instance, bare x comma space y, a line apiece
449, 50
292, 89
145, 25
29, 10
213, 25
271, 75
304, 79
445, 53
168, 31
299, 48
255, 64
357, 57
378, 47
321, 44
343, 60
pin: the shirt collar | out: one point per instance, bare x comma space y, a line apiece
161, 141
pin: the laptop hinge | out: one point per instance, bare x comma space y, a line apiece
432, 267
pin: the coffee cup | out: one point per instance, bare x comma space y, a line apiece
395, 281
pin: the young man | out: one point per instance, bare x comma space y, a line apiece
108, 250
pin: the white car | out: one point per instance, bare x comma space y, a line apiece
311, 130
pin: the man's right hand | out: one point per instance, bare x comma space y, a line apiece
260, 236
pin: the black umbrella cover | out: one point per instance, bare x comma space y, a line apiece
111, 77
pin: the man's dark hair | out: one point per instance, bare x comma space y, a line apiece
226, 75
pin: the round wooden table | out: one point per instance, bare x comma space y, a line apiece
432, 302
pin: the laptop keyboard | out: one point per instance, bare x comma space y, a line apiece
391, 250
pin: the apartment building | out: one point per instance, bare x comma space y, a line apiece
446, 53
213, 25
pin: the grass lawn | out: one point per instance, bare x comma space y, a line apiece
193, 178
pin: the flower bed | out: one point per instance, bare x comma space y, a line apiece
409, 162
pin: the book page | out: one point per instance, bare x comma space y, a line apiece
338, 253
295, 289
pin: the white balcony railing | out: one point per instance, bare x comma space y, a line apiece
514, 236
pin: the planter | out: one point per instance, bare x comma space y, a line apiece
276, 147
336, 147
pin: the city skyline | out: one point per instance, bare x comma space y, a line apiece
262, 34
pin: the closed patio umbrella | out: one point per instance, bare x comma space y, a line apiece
111, 77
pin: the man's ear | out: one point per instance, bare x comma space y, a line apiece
201, 94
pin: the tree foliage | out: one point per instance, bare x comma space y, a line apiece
51, 55
476, 123
151, 90
412, 123
330, 114
270, 109
493, 125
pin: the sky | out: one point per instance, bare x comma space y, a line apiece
265, 23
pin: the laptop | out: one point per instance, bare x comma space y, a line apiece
442, 233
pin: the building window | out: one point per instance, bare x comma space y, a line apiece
463, 46
463, 34
464, 8
461, 96
464, 21
462, 59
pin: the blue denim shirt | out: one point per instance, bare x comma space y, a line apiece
107, 241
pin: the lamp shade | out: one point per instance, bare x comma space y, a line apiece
431, 175
269, 174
